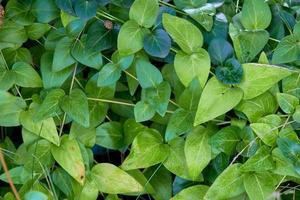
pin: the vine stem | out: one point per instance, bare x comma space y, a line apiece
171, 6
11, 183
111, 101
119, 103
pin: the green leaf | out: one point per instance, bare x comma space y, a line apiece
19, 175
45, 128
131, 33
161, 181
96, 43
36, 30
147, 150
109, 74
7, 79
184, 33
176, 161
12, 56
10, 107
85, 9
265, 132
231, 72
110, 135
85, 55
228, 184
76, 106
291, 150
26, 76
144, 12
291, 85
35, 195
258, 78
296, 115
50, 105
256, 14
287, 102
189, 66
216, 100
143, 111
158, 43
261, 161
190, 97
219, 50
247, 44
86, 136
111, 179
131, 129
147, 74
197, 151
203, 15
259, 106
45, 11
180, 122
12, 35
225, 140
20, 12
62, 55
158, 97
287, 50
53, 79
189, 3
69, 157
193, 192
259, 186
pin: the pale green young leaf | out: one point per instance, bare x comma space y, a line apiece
176, 160
44, 128
216, 100
193, 192
189, 66
144, 12
11, 107
131, 33
184, 33
143, 111
256, 14
228, 184
258, 78
287, 102
113, 180
197, 151
147, 150
50, 105
265, 132
76, 106
261, 161
26, 76
287, 50
260, 186
257, 107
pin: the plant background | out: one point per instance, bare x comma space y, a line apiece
148, 99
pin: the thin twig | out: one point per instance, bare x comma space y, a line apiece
11, 183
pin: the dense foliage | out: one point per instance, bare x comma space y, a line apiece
150, 99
